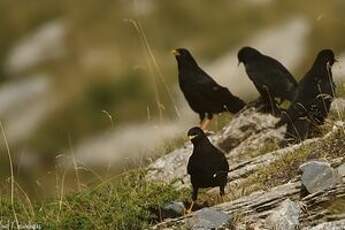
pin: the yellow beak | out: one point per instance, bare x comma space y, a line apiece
175, 52
192, 137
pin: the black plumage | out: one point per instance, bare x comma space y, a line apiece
207, 166
269, 76
315, 94
203, 94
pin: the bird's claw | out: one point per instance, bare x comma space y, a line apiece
189, 210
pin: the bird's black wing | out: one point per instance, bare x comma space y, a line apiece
280, 70
196, 165
223, 164
190, 165
211, 91
313, 99
272, 74
233, 104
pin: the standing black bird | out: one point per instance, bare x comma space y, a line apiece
315, 94
269, 76
207, 166
202, 93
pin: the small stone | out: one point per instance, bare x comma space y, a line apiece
209, 218
318, 176
285, 217
172, 210
341, 170
338, 105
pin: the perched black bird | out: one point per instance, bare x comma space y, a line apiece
315, 94
269, 76
202, 93
207, 166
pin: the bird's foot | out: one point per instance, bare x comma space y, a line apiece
189, 210
256, 103
220, 199
264, 108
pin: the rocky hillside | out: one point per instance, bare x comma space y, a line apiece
299, 186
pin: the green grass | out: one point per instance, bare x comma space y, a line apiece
126, 202
277, 173
269, 146
332, 147
340, 89
336, 206
282, 170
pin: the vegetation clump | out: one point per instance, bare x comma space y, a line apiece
125, 202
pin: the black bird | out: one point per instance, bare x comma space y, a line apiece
207, 166
315, 94
202, 93
269, 76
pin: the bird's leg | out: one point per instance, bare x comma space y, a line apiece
190, 208
194, 197
281, 100
221, 198
202, 119
272, 102
205, 124
221, 193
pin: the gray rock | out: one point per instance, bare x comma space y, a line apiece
171, 166
318, 176
247, 124
172, 209
208, 218
285, 216
334, 225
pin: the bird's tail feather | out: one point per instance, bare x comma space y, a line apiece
234, 104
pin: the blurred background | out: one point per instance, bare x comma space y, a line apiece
92, 84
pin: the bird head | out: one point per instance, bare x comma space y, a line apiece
326, 56
246, 54
196, 134
183, 56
